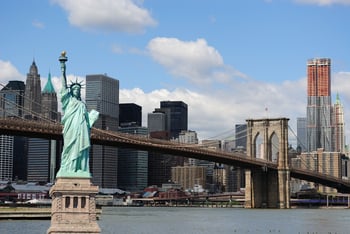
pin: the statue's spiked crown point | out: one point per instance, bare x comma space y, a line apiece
76, 83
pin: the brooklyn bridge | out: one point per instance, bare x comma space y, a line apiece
260, 171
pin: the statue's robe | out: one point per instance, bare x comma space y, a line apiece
76, 137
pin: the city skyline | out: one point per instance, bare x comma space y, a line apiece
246, 57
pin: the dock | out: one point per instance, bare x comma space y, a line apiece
25, 212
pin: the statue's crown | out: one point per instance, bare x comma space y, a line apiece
76, 83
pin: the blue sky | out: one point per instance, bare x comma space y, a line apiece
228, 60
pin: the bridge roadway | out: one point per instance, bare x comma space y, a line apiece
53, 130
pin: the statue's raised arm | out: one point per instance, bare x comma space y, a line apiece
63, 59
77, 123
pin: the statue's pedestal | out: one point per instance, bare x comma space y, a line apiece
73, 206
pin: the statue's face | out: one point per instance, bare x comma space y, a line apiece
76, 91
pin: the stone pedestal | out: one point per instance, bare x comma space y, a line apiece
73, 206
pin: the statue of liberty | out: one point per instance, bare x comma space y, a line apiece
77, 122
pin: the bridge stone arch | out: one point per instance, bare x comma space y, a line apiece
268, 188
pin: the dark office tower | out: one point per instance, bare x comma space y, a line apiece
241, 136
178, 116
319, 126
301, 134
159, 165
32, 101
130, 114
43, 154
166, 123
102, 94
133, 164
13, 161
236, 175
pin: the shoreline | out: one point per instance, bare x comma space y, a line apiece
10, 212
44, 213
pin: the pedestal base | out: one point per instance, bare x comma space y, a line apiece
73, 206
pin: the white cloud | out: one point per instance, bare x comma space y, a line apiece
324, 2
212, 114
216, 112
9, 72
107, 15
193, 60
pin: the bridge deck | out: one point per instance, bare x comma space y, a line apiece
16, 126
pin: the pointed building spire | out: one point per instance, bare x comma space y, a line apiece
33, 68
337, 100
49, 87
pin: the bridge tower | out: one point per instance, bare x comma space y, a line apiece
267, 139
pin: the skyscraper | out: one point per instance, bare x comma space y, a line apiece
319, 126
49, 101
13, 161
102, 94
43, 153
178, 116
241, 136
32, 101
165, 122
339, 125
130, 114
301, 134
133, 164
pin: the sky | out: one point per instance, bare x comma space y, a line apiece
227, 60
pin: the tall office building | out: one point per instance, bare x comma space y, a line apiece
49, 103
165, 123
319, 126
32, 100
159, 165
301, 134
178, 116
44, 154
241, 136
12, 157
159, 121
133, 164
130, 114
339, 126
102, 94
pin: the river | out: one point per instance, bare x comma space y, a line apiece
186, 220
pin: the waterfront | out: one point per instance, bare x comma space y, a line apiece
186, 220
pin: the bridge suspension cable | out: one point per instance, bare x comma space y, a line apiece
23, 109
210, 142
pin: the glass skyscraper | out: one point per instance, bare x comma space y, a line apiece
42, 154
133, 164
178, 116
12, 158
301, 134
319, 126
102, 94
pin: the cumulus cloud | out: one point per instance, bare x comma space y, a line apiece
211, 114
216, 112
107, 15
9, 72
195, 61
324, 2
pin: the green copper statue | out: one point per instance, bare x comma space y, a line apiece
77, 123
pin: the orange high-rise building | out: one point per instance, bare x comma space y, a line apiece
319, 109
